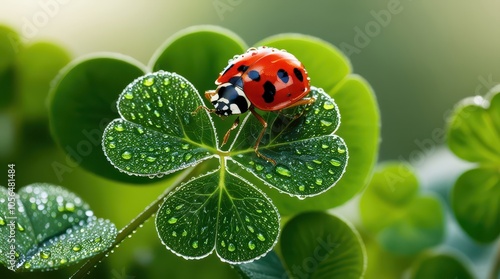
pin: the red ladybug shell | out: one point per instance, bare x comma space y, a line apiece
272, 79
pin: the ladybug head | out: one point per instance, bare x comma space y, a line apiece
229, 99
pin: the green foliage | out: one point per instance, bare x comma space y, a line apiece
267, 267
436, 266
52, 228
403, 220
158, 133
26, 72
473, 135
319, 245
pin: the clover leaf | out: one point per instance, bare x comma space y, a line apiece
403, 220
432, 266
474, 135
45, 227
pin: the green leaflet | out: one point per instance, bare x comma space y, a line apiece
218, 211
52, 228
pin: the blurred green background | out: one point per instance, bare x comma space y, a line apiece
421, 59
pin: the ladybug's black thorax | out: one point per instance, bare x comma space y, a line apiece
230, 98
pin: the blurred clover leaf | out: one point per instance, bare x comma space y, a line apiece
319, 245
474, 135
403, 220
26, 72
435, 266
44, 227
267, 267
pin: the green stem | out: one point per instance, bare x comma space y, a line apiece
131, 227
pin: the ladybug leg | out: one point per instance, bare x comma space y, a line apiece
302, 102
208, 96
235, 124
262, 132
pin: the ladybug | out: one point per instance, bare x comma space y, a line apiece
262, 78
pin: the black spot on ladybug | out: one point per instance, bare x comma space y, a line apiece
298, 74
237, 81
289, 95
283, 75
269, 92
228, 67
254, 75
243, 68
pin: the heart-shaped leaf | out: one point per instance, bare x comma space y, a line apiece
309, 158
404, 221
318, 245
475, 199
435, 266
161, 130
473, 132
82, 103
45, 227
474, 135
220, 211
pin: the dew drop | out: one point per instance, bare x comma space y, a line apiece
184, 233
185, 146
309, 166
2, 222
185, 94
69, 206
340, 150
335, 163
45, 254
174, 234
316, 111
27, 265
63, 261
183, 85
132, 115
250, 228
172, 220
166, 81
231, 247
179, 206
222, 243
77, 248
188, 156
247, 219
140, 130
325, 123
319, 181
119, 127
328, 106
126, 155
283, 171
112, 145
317, 162
269, 176
168, 211
194, 244
258, 211
160, 102
157, 114
302, 188
261, 237
151, 159
149, 81
251, 245
167, 149
259, 167
324, 146
129, 96
20, 227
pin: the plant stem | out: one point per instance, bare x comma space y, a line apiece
496, 265
131, 227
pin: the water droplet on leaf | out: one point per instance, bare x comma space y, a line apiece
251, 245
328, 105
283, 171
77, 248
231, 247
261, 237
126, 155
172, 220
149, 81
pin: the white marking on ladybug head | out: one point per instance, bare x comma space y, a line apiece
235, 109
